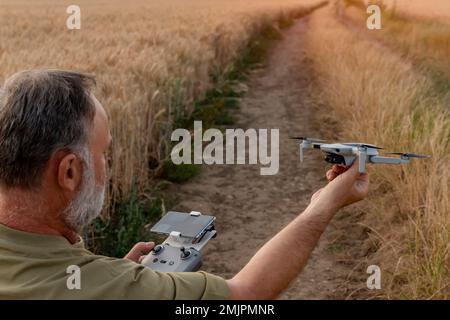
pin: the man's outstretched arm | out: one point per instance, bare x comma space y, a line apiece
281, 259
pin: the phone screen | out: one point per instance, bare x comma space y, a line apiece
189, 226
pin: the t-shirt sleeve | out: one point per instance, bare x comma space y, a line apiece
123, 279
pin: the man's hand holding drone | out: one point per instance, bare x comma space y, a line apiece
348, 181
346, 186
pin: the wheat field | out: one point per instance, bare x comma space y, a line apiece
151, 58
435, 9
380, 96
154, 59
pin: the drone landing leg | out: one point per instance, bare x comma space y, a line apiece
362, 161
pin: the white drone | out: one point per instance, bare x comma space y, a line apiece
346, 153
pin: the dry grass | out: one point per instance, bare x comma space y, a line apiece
424, 40
381, 98
436, 9
154, 57
151, 59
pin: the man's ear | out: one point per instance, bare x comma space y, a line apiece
70, 172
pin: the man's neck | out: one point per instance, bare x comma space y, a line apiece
28, 212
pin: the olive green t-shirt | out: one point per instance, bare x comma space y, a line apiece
35, 266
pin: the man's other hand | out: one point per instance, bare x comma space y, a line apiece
139, 251
346, 186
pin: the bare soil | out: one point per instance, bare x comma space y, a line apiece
251, 208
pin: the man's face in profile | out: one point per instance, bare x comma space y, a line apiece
88, 200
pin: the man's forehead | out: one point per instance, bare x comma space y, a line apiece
101, 122
99, 109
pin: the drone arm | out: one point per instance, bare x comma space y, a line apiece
387, 160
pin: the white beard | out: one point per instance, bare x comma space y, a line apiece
88, 203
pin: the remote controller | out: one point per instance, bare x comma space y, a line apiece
167, 258
187, 234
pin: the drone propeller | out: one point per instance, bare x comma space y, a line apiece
410, 155
371, 146
307, 139
366, 145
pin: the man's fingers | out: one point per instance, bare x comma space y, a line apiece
339, 169
331, 175
353, 171
140, 249
335, 171
355, 167
141, 258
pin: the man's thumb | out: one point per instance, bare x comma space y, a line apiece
353, 171
139, 249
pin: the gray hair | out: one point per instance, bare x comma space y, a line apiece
41, 112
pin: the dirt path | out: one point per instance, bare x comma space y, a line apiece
251, 208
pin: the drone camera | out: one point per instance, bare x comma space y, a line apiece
334, 158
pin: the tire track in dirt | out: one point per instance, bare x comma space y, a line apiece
251, 208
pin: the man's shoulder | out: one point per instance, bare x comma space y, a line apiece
43, 267
35, 266
91, 276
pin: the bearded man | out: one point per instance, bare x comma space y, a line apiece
54, 135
